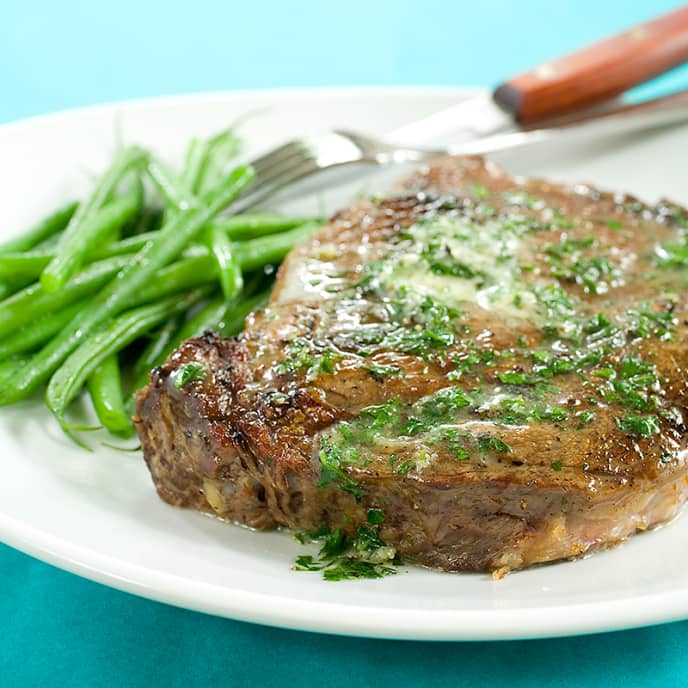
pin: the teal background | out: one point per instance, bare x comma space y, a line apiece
59, 630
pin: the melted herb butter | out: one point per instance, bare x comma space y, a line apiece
579, 261
414, 299
301, 356
459, 263
408, 436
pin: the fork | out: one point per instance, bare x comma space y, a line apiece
305, 157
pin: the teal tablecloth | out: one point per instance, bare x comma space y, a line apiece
59, 630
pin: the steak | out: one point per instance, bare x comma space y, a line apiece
494, 367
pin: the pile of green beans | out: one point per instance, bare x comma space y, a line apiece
103, 290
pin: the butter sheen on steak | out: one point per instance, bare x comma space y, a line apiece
497, 365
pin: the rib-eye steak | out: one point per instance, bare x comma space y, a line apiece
495, 369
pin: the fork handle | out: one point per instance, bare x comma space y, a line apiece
598, 72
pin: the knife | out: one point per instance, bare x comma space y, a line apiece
574, 82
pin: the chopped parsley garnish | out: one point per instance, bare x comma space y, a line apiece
380, 372
334, 544
455, 440
488, 443
644, 426
421, 329
299, 356
303, 537
672, 254
630, 384
187, 373
585, 418
557, 465
596, 324
405, 467
519, 411
567, 246
479, 191
514, 378
375, 516
306, 562
333, 458
522, 198
559, 311
326, 363
343, 557
607, 373
646, 321
443, 405
568, 263
593, 273
353, 569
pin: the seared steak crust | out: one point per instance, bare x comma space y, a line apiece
497, 416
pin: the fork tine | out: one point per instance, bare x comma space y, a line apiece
276, 156
297, 159
264, 188
283, 167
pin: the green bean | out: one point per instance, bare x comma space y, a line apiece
82, 232
105, 388
221, 149
154, 350
47, 244
30, 265
33, 302
11, 367
38, 331
131, 244
5, 290
171, 240
250, 226
194, 161
208, 317
170, 187
23, 264
148, 220
255, 253
215, 315
226, 263
113, 336
200, 268
52, 224
239, 227
236, 227
204, 164
181, 275
12, 285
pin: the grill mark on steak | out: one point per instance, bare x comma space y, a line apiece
245, 442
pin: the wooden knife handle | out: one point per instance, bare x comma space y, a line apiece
598, 72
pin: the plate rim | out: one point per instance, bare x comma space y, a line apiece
316, 616
278, 92
359, 621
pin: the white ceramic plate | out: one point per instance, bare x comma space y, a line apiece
98, 515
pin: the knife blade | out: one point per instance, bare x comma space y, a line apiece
574, 82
